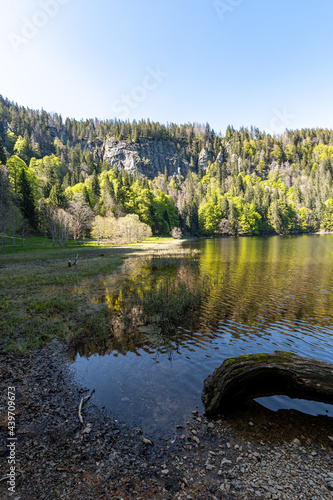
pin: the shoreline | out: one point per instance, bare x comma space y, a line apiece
146, 243
251, 454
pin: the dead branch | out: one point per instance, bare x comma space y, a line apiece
83, 400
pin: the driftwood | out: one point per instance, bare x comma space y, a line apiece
241, 379
83, 400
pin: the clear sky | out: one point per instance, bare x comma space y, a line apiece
266, 63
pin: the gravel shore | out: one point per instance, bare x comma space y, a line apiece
248, 454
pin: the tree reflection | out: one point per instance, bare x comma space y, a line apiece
248, 286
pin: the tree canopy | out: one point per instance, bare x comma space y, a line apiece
243, 182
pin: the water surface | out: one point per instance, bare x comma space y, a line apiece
264, 294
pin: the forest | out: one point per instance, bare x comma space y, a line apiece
54, 182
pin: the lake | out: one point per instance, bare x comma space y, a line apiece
259, 294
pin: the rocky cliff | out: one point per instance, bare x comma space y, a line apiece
150, 157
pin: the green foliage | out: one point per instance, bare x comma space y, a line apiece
56, 198
250, 220
23, 147
3, 157
329, 214
252, 183
15, 166
25, 193
210, 214
10, 141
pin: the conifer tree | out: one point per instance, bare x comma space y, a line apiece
27, 203
3, 157
95, 185
56, 196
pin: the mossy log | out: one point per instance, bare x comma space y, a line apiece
241, 379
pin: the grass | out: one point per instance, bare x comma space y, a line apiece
35, 243
37, 292
160, 299
168, 304
41, 298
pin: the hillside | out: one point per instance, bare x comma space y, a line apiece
68, 178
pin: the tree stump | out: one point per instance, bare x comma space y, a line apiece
241, 379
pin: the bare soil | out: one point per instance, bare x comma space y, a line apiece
248, 454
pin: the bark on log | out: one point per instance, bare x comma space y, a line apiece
241, 379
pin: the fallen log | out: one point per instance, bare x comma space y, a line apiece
241, 379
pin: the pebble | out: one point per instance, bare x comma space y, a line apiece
148, 442
226, 461
71, 464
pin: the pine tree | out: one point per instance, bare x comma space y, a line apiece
56, 196
95, 185
86, 196
232, 218
166, 175
66, 181
3, 157
24, 190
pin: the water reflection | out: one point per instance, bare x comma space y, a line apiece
258, 295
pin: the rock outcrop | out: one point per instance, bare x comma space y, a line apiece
148, 156
250, 376
204, 158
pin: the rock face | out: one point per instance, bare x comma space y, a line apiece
204, 158
148, 156
250, 376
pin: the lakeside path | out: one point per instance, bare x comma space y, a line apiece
253, 454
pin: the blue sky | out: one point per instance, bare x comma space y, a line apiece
265, 63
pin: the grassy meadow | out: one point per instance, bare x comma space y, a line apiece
37, 289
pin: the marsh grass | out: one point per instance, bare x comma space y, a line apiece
169, 305
94, 324
162, 298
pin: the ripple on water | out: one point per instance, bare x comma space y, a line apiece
264, 294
